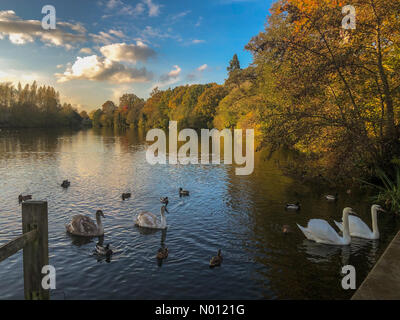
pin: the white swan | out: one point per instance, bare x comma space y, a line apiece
359, 228
320, 231
149, 220
81, 225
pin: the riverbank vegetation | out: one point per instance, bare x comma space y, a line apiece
36, 107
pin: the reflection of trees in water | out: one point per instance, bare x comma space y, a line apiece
33, 140
126, 137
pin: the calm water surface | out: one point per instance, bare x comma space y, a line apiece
242, 215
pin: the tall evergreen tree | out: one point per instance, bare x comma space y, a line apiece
234, 64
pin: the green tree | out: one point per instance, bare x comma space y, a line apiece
234, 64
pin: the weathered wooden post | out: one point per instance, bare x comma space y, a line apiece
36, 252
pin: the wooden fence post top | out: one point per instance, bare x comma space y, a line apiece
33, 202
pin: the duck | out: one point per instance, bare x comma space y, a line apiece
164, 200
81, 225
293, 206
331, 197
103, 251
286, 229
183, 192
217, 260
321, 231
126, 196
149, 220
65, 184
22, 198
162, 253
359, 228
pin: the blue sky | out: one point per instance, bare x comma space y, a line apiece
104, 48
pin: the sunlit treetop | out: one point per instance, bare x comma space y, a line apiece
301, 11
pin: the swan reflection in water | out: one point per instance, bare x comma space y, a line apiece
163, 250
321, 253
79, 240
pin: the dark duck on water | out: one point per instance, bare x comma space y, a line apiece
65, 184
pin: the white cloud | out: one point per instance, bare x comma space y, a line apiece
168, 78
150, 32
154, 9
107, 37
20, 38
175, 72
197, 41
198, 23
118, 7
117, 33
202, 67
86, 50
111, 4
128, 52
96, 68
175, 17
21, 31
24, 76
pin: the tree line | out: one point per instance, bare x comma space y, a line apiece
33, 106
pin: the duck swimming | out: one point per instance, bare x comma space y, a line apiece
293, 206
162, 253
81, 225
183, 192
164, 200
65, 184
331, 197
126, 196
286, 229
103, 251
22, 198
216, 261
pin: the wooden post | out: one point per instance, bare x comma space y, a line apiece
36, 252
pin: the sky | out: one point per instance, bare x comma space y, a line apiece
102, 49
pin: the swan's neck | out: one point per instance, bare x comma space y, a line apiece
374, 215
99, 223
163, 219
346, 228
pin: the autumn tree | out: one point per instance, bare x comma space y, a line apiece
334, 93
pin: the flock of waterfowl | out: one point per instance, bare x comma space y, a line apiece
321, 231
84, 226
317, 230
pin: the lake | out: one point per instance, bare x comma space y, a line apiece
242, 215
